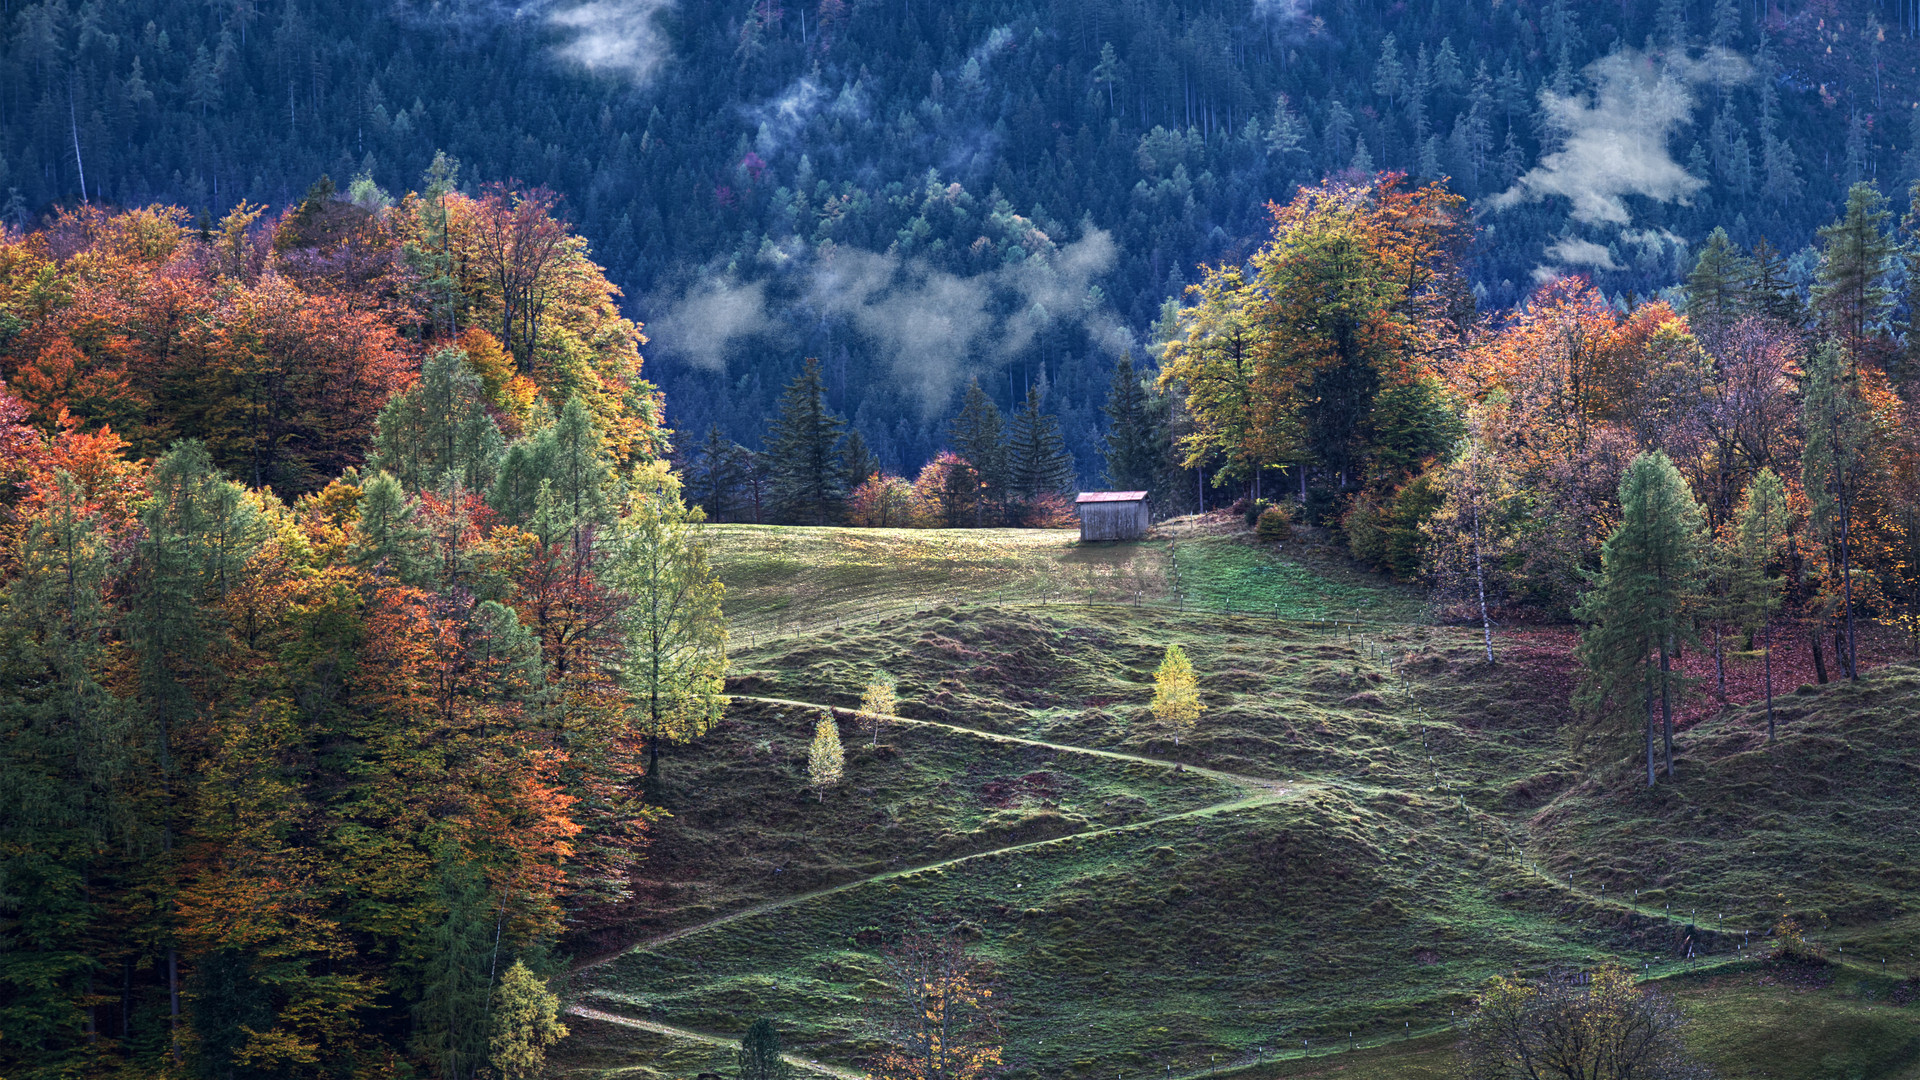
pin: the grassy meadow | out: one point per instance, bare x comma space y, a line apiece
1366, 825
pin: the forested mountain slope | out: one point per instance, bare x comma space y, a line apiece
917, 193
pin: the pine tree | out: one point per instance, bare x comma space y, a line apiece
1834, 464
1176, 693
826, 760
1638, 609
1136, 446
437, 425
1038, 462
1389, 76
759, 1057
808, 477
1850, 292
1717, 287
1755, 541
877, 705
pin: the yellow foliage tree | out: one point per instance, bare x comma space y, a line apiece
826, 761
878, 705
526, 1021
1176, 694
942, 1024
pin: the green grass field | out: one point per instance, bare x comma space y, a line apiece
1365, 826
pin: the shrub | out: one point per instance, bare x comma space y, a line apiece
1276, 523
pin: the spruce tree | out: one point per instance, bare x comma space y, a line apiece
1038, 462
713, 478
1771, 292
1638, 609
979, 434
1717, 287
1850, 291
759, 1057
808, 477
859, 462
1136, 444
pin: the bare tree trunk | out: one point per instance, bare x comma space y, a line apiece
1649, 685
1766, 653
1666, 705
1819, 660
1719, 663
1480, 582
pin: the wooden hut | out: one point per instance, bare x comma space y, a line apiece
1112, 515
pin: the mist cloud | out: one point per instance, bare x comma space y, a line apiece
1583, 253
617, 37
935, 329
1616, 139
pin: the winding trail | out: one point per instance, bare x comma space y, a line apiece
1257, 791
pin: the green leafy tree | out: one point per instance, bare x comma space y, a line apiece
676, 661
388, 538
808, 477
1749, 551
1638, 609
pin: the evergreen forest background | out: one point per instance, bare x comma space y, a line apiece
918, 194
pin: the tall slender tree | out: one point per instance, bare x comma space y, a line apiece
1834, 465
1637, 612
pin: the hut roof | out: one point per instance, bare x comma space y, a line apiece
1110, 496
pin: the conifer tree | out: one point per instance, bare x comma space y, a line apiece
859, 461
1638, 608
1136, 444
808, 477
877, 705
759, 1057
713, 479
388, 539
1717, 287
439, 424
1834, 463
1176, 693
1850, 292
1772, 293
826, 760
979, 435
1759, 530
1038, 462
